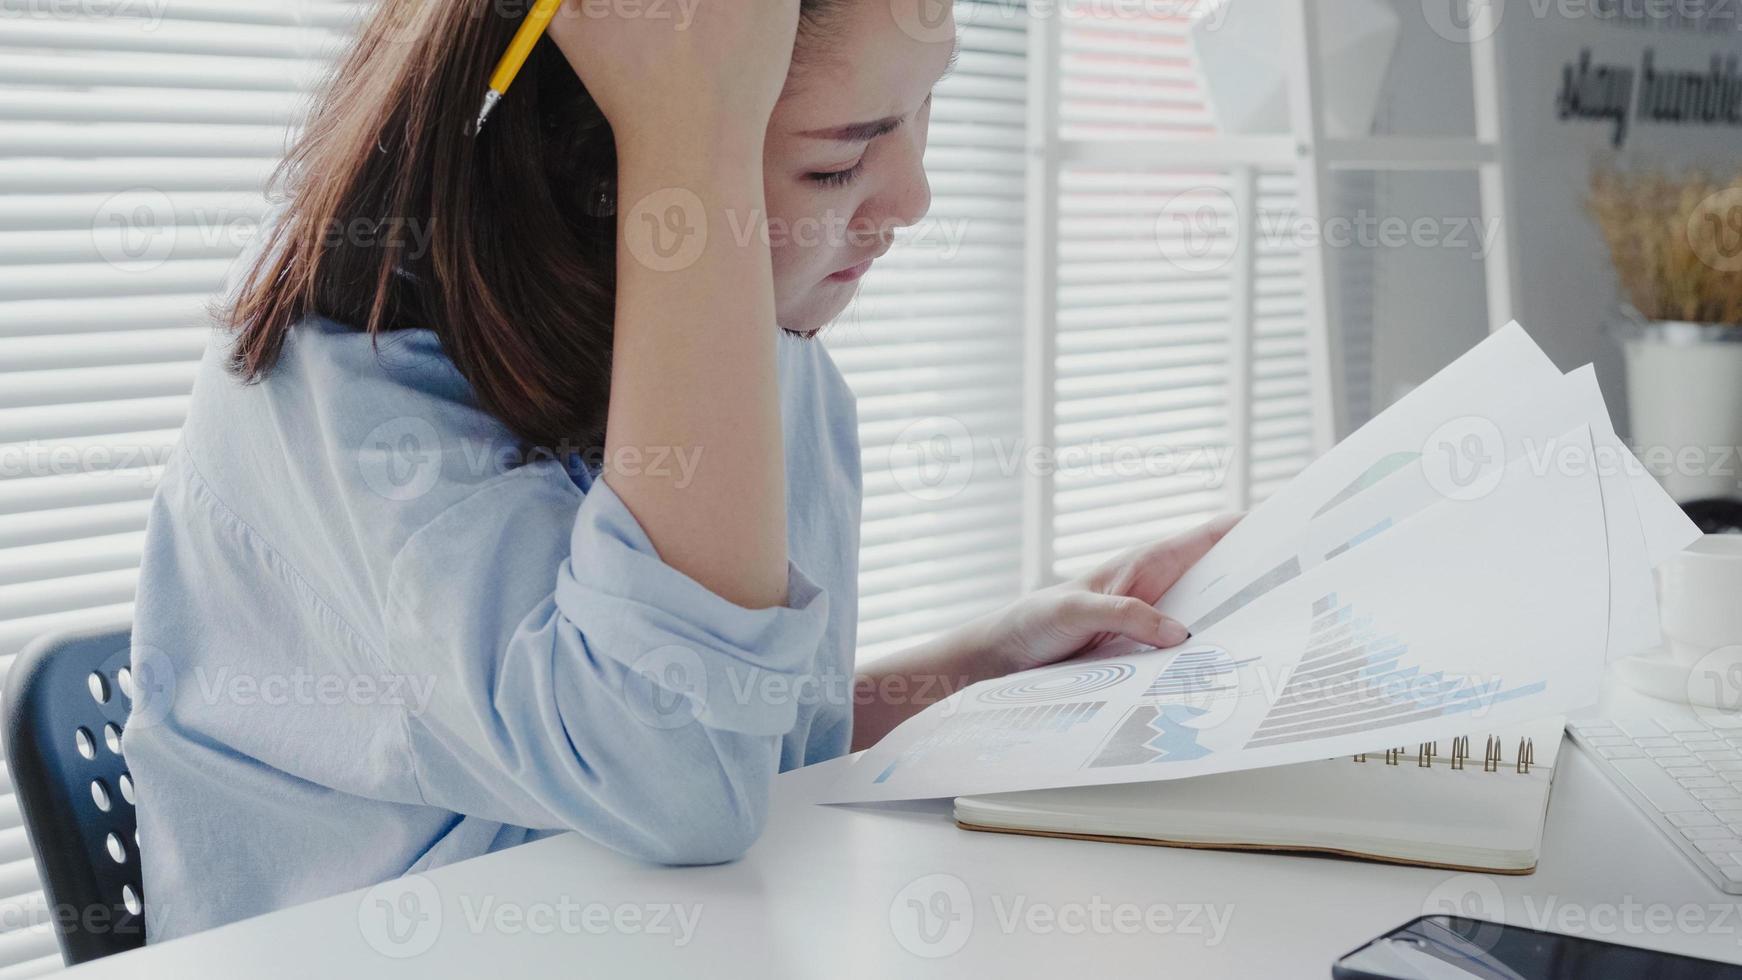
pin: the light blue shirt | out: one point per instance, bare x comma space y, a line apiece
373, 637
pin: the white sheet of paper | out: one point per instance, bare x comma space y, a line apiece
1491, 373
1429, 446
1489, 613
1527, 426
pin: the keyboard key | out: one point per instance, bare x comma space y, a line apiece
1727, 755
1675, 760
1725, 796
1706, 833
1702, 782
1685, 819
1732, 871
1698, 745
1734, 766
1622, 752
1682, 772
1639, 727
1717, 845
1673, 725
1664, 742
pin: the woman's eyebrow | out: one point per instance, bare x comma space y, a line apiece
863, 132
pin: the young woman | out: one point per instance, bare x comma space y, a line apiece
520, 497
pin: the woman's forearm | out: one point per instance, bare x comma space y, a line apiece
693, 368
898, 687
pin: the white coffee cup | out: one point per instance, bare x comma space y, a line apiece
1700, 597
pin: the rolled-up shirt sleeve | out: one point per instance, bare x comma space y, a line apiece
634, 604
577, 682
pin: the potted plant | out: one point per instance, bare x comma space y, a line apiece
1676, 242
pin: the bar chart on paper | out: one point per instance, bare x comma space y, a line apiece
1353, 677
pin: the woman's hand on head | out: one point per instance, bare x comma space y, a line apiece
1115, 600
713, 73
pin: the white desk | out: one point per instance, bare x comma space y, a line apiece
817, 896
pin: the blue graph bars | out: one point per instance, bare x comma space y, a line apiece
1353, 678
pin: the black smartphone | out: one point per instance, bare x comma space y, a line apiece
1436, 947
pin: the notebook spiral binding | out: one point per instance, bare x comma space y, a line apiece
1493, 757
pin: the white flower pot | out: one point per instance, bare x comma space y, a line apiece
1684, 385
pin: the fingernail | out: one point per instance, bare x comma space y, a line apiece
1172, 633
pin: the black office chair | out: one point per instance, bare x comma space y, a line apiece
66, 703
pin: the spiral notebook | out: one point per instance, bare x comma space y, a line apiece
1438, 804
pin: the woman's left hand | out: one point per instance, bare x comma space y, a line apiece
1066, 620
1117, 599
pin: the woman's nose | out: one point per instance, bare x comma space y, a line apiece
910, 196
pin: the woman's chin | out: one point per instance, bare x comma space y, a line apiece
818, 308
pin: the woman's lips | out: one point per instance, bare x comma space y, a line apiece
854, 274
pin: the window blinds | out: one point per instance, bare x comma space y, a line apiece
1145, 424
135, 139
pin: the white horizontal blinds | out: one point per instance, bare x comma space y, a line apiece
135, 140
1149, 437
1282, 393
933, 350
1127, 71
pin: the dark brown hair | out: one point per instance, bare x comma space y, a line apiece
503, 244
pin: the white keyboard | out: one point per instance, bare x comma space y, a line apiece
1686, 776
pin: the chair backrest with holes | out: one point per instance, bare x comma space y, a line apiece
66, 703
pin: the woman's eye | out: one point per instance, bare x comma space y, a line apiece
838, 178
